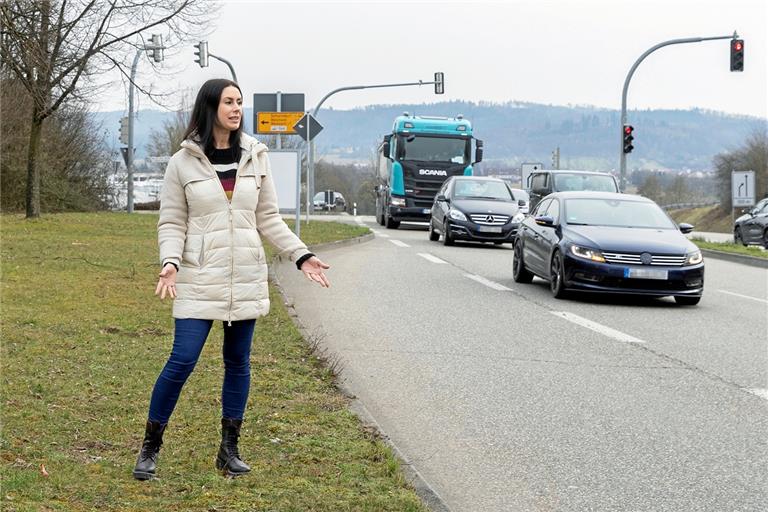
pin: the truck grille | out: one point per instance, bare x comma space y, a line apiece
635, 259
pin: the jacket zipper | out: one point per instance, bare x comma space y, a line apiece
231, 233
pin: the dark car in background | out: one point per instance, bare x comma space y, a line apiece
542, 183
474, 208
752, 227
608, 242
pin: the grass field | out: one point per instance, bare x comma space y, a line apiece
83, 339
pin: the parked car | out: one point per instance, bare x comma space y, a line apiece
752, 227
522, 198
542, 183
608, 242
329, 200
474, 208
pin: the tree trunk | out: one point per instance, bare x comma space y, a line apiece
33, 173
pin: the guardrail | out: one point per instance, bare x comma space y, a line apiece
679, 206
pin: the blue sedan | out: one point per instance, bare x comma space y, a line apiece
610, 243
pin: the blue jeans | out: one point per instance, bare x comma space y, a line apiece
188, 340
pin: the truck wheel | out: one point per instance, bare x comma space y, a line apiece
379, 214
389, 223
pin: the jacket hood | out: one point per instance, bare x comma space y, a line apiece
247, 143
631, 240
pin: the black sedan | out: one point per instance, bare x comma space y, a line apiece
752, 227
474, 208
608, 242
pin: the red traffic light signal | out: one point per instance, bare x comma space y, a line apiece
628, 138
737, 55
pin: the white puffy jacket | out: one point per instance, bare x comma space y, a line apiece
217, 244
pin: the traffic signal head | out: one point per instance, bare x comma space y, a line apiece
628, 138
737, 55
439, 83
201, 52
156, 50
123, 130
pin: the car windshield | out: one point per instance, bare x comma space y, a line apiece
434, 149
616, 213
481, 189
596, 182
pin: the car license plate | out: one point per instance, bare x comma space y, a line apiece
645, 273
489, 229
425, 211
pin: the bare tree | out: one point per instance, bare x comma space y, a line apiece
752, 156
55, 47
167, 140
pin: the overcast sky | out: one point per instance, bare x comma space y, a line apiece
553, 52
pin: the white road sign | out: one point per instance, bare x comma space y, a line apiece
743, 188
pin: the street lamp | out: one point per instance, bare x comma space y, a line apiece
154, 49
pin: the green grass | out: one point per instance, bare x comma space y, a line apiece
83, 340
751, 250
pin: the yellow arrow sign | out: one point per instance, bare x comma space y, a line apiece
276, 123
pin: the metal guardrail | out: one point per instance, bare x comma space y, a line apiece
678, 206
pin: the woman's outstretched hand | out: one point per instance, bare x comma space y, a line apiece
313, 270
167, 282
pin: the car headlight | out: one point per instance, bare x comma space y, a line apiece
694, 258
457, 215
397, 201
519, 217
587, 254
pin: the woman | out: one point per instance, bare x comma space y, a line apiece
218, 200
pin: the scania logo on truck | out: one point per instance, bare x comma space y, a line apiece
433, 172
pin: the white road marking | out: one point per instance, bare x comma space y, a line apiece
359, 220
399, 243
599, 328
488, 283
743, 296
379, 233
761, 392
429, 257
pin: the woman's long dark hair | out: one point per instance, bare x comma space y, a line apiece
204, 116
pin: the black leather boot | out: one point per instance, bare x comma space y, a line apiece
228, 460
146, 464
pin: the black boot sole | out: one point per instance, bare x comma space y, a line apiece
222, 466
143, 475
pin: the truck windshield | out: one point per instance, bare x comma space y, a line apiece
434, 149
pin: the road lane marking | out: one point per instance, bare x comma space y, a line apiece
599, 328
743, 296
761, 392
429, 257
399, 243
379, 233
488, 283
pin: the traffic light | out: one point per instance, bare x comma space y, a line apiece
439, 83
628, 138
737, 55
202, 54
156, 47
123, 130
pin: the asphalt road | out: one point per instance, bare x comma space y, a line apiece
505, 399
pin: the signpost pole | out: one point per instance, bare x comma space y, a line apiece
279, 143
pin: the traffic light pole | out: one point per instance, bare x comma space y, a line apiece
225, 61
129, 156
622, 154
311, 155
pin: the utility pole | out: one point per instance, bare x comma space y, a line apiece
556, 158
623, 123
155, 49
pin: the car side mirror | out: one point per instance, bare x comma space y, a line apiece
685, 227
521, 202
441, 197
545, 220
386, 147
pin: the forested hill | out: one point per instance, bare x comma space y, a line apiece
516, 132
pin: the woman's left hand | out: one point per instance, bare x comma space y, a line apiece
313, 270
